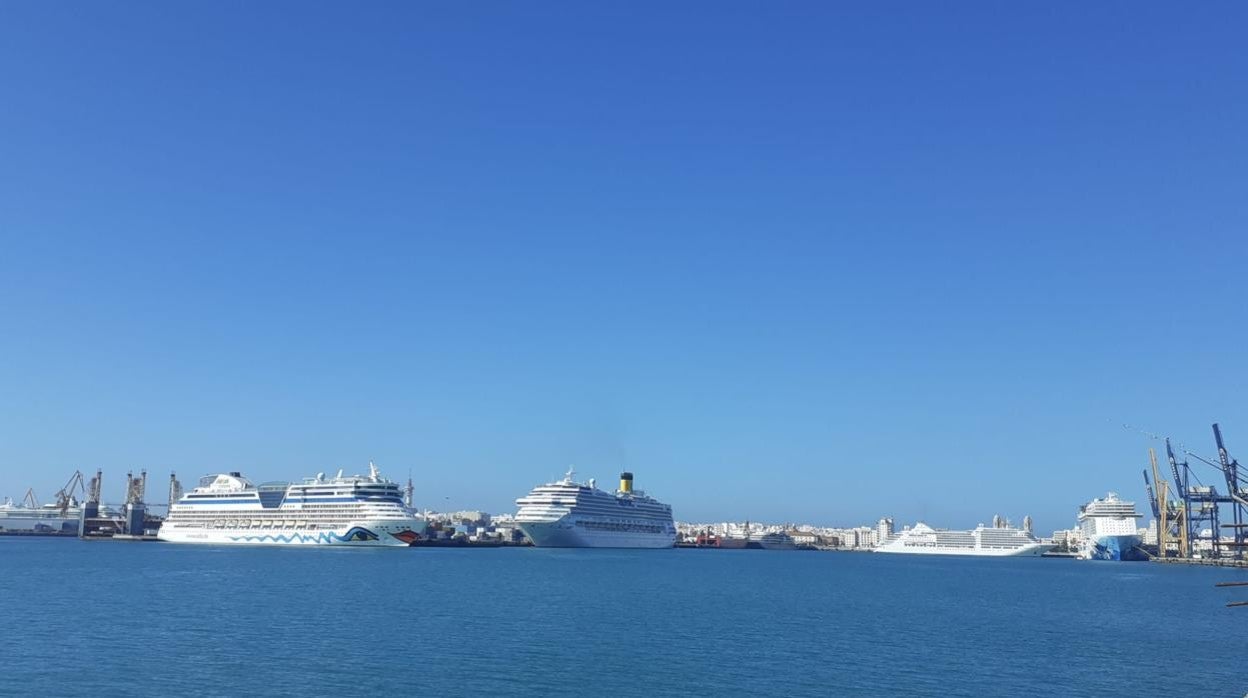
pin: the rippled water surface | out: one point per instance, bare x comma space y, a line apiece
110, 618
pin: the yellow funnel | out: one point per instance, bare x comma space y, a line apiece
626, 482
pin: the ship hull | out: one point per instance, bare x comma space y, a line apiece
566, 533
35, 523
1115, 548
367, 534
766, 543
1025, 551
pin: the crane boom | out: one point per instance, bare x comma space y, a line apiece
65, 496
1152, 498
1185, 507
1157, 479
1230, 467
1179, 485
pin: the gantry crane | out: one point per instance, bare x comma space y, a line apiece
1237, 490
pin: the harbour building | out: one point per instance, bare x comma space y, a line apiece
883, 531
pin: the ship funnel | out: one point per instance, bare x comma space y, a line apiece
626, 482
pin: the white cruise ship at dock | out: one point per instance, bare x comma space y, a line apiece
983, 541
568, 514
46, 518
226, 509
1108, 528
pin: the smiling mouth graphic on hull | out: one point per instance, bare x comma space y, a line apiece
409, 536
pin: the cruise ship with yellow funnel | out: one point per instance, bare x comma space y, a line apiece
569, 514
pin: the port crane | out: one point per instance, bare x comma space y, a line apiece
65, 496
1210, 499
1235, 487
1181, 485
1166, 513
1203, 501
1197, 513
1152, 496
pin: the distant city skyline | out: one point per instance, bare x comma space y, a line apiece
814, 263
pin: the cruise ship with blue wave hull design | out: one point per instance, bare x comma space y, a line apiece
568, 514
356, 510
1109, 530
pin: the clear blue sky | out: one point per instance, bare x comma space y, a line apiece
786, 261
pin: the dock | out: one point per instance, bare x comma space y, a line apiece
1210, 562
146, 538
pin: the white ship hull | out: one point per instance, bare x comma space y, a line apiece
776, 543
33, 523
565, 533
1120, 548
385, 534
1034, 550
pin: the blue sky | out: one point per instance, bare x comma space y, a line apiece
788, 262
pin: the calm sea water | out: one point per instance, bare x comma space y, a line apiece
106, 619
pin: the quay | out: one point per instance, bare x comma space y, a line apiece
466, 543
39, 534
1210, 562
124, 537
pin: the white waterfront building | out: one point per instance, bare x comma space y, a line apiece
883, 531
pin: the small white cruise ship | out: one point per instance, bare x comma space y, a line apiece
46, 518
226, 509
777, 541
568, 514
985, 541
1108, 528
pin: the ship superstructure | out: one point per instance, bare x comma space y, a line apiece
568, 514
1109, 530
986, 541
343, 510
